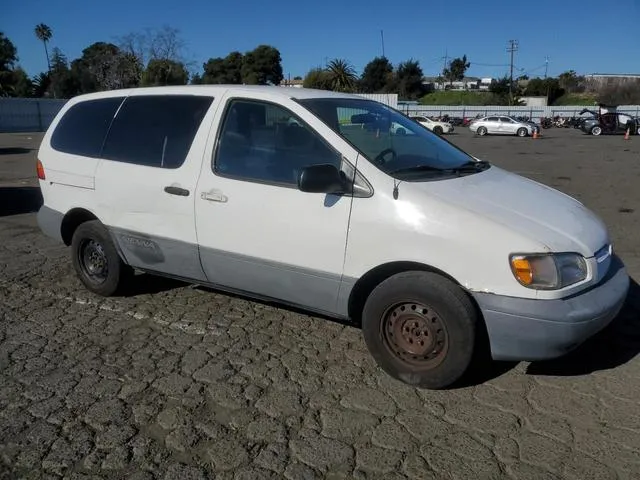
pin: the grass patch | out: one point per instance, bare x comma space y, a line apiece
585, 99
466, 98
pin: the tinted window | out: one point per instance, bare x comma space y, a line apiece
155, 130
492, 119
506, 120
268, 143
83, 127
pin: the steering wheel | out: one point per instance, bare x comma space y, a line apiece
380, 157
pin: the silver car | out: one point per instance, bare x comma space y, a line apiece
501, 125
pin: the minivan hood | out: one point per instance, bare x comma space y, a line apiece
541, 213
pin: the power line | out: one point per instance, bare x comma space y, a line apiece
489, 64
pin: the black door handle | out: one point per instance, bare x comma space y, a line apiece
183, 192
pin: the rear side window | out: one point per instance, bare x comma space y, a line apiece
82, 128
155, 130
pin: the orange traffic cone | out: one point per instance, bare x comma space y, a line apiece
626, 135
535, 134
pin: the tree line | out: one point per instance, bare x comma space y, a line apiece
157, 57
150, 58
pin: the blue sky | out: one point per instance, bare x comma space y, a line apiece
307, 33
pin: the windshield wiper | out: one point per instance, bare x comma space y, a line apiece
416, 168
470, 166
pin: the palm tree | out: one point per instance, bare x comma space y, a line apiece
44, 34
342, 75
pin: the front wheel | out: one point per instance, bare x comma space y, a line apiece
96, 260
522, 132
420, 328
482, 131
595, 131
438, 130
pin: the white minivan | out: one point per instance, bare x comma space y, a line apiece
308, 198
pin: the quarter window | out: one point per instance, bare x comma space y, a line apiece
155, 130
267, 143
82, 128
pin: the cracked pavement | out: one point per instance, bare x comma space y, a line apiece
177, 381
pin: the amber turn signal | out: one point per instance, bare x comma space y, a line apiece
522, 270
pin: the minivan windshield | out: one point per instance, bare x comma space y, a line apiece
395, 143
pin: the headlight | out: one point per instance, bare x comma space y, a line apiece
549, 271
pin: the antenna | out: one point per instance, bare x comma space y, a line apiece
513, 47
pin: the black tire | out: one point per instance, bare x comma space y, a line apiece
522, 132
438, 130
596, 131
433, 305
482, 131
96, 260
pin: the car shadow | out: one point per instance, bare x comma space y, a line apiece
276, 304
19, 200
149, 284
614, 346
14, 150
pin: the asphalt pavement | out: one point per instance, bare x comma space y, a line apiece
175, 381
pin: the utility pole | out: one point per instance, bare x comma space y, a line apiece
513, 46
446, 58
382, 40
546, 66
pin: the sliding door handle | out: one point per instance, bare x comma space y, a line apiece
183, 192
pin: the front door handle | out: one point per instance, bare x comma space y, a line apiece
214, 196
183, 192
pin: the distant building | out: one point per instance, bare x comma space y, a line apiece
534, 101
611, 79
292, 83
467, 83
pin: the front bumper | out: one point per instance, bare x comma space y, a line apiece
528, 330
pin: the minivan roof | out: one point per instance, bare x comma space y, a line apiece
216, 90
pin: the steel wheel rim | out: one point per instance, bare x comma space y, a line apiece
415, 334
597, 131
522, 132
93, 260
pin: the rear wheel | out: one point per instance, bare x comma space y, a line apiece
522, 132
420, 329
96, 260
482, 131
596, 130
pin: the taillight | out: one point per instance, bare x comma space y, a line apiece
40, 170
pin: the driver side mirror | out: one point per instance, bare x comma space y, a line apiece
322, 179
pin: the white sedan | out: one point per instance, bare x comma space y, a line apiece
502, 125
436, 127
